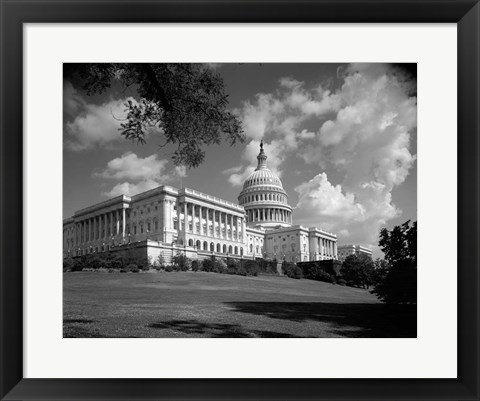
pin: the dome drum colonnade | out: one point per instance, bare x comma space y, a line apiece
263, 197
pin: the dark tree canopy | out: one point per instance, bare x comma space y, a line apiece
357, 270
400, 243
399, 285
186, 102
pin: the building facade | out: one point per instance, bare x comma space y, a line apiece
167, 220
346, 250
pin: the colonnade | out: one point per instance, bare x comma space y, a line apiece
102, 226
269, 214
218, 224
327, 248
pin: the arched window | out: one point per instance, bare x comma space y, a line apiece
190, 242
198, 244
251, 248
241, 251
212, 246
236, 250
224, 248
230, 249
256, 249
218, 247
205, 245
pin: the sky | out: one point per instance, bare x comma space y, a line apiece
341, 137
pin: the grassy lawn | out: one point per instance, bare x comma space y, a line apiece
197, 304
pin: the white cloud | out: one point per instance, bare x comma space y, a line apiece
130, 189
369, 140
233, 170
363, 130
130, 166
354, 217
90, 125
277, 118
142, 174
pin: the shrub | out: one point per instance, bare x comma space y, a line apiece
68, 264
181, 262
195, 265
169, 268
133, 268
251, 267
341, 282
208, 265
292, 270
357, 270
325, 277
161, 263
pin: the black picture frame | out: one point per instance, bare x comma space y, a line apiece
464, 13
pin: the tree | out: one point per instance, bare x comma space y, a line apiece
400, 244
400, 248
185, 102
380, 271
357, 270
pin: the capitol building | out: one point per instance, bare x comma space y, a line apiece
167, 220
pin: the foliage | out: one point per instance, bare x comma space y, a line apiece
399, 284
399, 244
133, 268
181, 262
292, 270
315, 270
208, 264
267, 266
185, 103
380, 271
195, 265
68, 264
357, 270
251, 267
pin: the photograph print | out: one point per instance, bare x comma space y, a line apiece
239, 200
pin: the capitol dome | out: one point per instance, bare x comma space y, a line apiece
263, 197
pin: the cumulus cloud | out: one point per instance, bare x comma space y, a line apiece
130, 166
363, 130
90, 125
354, 217
369, 140
141, 174
277, 118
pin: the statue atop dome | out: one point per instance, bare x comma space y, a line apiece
262, 158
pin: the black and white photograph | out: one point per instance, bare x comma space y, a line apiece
239, 200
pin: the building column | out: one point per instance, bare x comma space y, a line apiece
124, 220
185, 217
207, 220
105, 225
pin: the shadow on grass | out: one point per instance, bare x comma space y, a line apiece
347, 320
218, 330
79, 321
